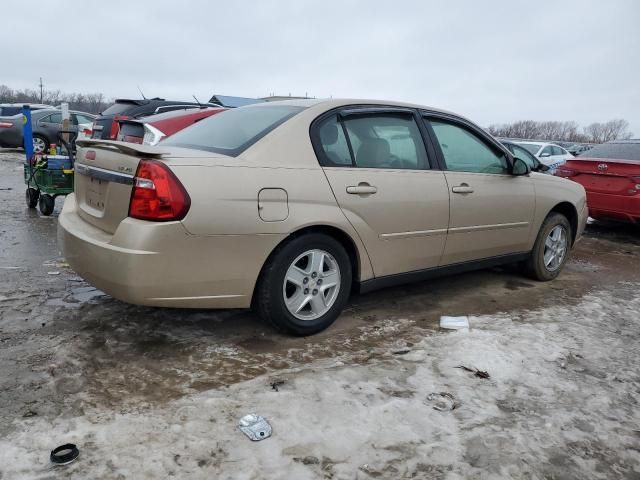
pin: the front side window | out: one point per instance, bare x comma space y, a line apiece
232, 131
547, 150
463, 151
523, 154
54, 118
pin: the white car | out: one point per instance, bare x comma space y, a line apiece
549, 154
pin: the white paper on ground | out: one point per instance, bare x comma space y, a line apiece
454, 323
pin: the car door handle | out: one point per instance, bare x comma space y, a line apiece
462, 188
361, 189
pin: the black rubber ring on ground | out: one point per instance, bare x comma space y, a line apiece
65, 458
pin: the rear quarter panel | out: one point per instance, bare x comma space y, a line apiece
224, 190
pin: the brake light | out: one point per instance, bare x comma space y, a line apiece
157, 194
115, 126
6, 125
636, 180
565, 172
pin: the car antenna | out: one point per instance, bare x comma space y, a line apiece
201, 106
140, 90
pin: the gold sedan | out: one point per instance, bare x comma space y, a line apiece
290, 206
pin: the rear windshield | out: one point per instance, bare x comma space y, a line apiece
118, 108
10, 111
620, 151
233, 131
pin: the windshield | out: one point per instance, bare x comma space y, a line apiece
531, 147
620, 151
233, 131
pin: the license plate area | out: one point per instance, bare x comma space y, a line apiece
95, 193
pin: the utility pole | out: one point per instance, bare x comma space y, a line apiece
41, 90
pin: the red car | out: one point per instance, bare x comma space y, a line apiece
150, 130
610, 173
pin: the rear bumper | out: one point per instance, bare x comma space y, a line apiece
10, 137
625, 208
161, 264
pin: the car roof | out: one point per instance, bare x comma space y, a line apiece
329, 103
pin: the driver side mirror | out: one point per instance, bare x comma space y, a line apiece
545, 155
520, 167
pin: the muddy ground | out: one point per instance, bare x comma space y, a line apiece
166, 387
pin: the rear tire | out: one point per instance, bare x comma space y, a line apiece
304, 285
40, 144
46, 203
551, 250
31, 197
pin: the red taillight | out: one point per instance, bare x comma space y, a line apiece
157, 194
115, 126
6, 125
565, 172
132, 139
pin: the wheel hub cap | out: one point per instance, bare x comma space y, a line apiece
311, 284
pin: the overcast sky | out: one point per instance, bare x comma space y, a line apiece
492, 61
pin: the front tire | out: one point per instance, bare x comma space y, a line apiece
304, 285
551, 250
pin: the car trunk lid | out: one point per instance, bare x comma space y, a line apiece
105, 176
601, 175
104, 179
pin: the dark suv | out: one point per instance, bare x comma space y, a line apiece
106, 125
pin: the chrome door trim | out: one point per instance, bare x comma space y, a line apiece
417, 233
499, 226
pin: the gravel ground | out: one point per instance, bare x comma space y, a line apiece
152, 393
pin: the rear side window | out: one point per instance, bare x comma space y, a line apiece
465, 152
377, 140
233, 131
558, 151
334, 143
83, 118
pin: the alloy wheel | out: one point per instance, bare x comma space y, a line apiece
555, 248
39, 145
311, 285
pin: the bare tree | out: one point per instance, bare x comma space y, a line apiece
91, 103
563, 131
612, 130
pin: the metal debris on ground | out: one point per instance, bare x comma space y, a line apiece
475, 371
64, 454
277, 382
454, 323
255, 427
403, 351
54, 273
444, 401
